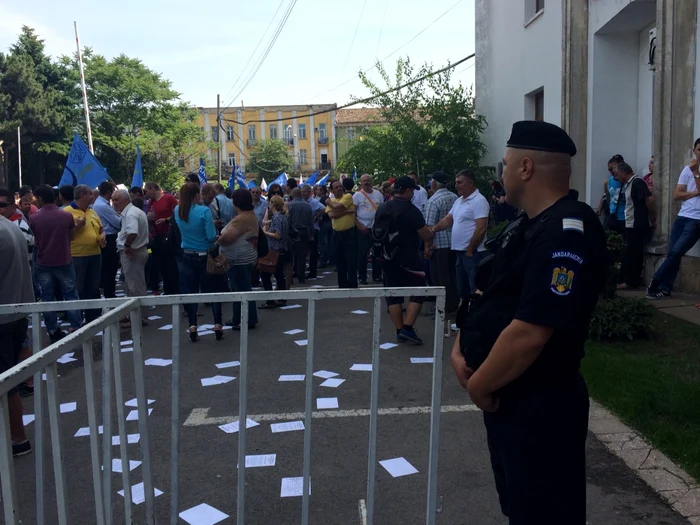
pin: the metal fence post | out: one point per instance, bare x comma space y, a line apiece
242, 414
7, 465
374, 406
59, 474
38, 422
175, 420
108, 334
310, 329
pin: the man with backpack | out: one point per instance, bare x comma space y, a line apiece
398, 228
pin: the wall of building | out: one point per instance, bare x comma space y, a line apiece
515, 57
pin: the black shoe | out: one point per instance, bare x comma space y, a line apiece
25, 390
410, 335
21, 449
265, 306
219, 334
193, 334
57, 335
363, 282
658, 294
377, 280
311, 276
282, 303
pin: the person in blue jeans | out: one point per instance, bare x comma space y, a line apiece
685, 232
198, 233
238, 242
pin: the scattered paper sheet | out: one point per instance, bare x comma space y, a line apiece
417, 360
69, 407
128, 349
326, 402
166, 327
27, 418
361, 367
292, 487
85, 431
325, 374
292, 377
386, 346
126, 343
134, 402
333, 382
260, 460
229, 364
130, 439
398, 467
138, 494
327, 273
156, 361
154, 317
205, 332
134, 415
287, 427
359, 312
289, 307
317, 286
203, 514
65, 359
295, 331
233, 427
205, 327
117, 465
216, 380
302, 342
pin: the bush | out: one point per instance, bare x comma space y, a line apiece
616, 246
620, 318
494, 230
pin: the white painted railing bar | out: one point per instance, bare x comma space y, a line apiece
94, 436
374, 406
7, 465
107, 335
38, 422
242, 410
175, 419
308, 408
56, 442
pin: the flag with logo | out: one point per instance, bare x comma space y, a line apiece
202, 172
137, 177
82, 167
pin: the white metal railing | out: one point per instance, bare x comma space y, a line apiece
113, 309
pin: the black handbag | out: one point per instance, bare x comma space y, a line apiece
263, 247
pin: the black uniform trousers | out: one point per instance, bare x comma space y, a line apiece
300, 248
537, 442
313, 255
110, 265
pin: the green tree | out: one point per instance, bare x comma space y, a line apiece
269, 157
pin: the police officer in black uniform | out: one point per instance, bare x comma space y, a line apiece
521, 341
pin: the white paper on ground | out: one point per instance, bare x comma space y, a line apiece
69, 407
125, 343
317, 286
27, 418
43, 376
156, 361
85, 431
302, 342
398, 467
326, 402
294, 331
292, 377
205, 327
205, 332
203, 514
325, 374
233, 427
117, 465
386, 346
228, 364
65, 359
128, 349
361, 367
130, 439
166, 327
154, 317
333, 382
327, 273
138, 493
289, 307
260, 460
292, 487
216, 380
359, 312
417, 360
134, 402
287, 427
134, 415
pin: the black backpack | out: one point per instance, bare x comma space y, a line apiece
385, 233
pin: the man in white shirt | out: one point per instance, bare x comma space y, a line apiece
366, 200
469, 218
685, 232
420, 195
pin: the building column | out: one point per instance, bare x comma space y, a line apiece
312, 139
207, 132
333, 146
280, 126
262, 124
574, 92
242, 160
295, 131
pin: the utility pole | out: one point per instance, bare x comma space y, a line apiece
218, 136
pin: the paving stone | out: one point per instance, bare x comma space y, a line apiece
633, 457
661, 480
657, 459
607, 426
689, 505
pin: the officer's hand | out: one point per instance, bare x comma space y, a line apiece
459, 365
486, 402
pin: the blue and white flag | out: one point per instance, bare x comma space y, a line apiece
323, 180
232, 178
241, 179
202, 173
137, 177
281, 179
312, 179
82, 166
251, 185
263, 184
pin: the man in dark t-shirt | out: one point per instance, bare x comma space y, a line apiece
405, 267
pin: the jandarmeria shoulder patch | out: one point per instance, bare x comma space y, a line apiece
572, 224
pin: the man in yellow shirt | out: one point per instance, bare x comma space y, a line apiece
341, 210
85, 248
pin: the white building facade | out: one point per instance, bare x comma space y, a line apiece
619, 75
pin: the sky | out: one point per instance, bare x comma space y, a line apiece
203, 48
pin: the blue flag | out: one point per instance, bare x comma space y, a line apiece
241, 179
281, 180
323, 180
312, 180
232, 178
82, 166
251, 185
137, 178
202, 174
354, 174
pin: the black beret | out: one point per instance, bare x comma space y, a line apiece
540, 136
404, 183
439, 176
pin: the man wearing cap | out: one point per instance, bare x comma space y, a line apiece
442, 259
521, 342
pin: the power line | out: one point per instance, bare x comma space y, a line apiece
352, 42
381, 29
360, 101
390, 54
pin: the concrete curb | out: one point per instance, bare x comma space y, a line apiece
676, 486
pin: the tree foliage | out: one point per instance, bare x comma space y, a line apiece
268, 158
430, 125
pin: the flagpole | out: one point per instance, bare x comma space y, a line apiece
82, 85
19, 156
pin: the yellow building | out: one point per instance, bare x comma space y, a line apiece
308, 130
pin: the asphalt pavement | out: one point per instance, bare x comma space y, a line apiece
208, 455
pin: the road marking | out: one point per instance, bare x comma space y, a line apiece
362, 508
199, 416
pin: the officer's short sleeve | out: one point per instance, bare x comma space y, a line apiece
555, 277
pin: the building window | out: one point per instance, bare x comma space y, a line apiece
302, 156
539, 105
215, 134
322, 132
350, 133
251, 132
229, 133
288, 135
534, 105
532, 9
232, 159
273, 131
301, 133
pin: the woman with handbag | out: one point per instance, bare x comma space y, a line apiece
277, 232
198, 233
238, 242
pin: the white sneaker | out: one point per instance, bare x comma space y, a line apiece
453, 327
